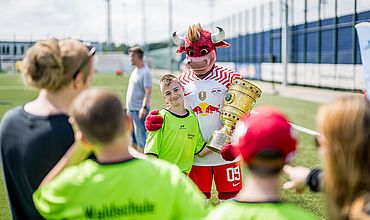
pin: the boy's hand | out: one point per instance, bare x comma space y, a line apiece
205, 152
229, 152
153, 121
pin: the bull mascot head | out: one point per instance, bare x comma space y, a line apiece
200, 48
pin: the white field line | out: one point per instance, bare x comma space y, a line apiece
298, 128
304, 130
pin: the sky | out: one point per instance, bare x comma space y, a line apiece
86, 19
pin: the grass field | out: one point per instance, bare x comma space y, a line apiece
13, 93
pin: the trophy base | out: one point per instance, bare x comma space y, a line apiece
218, 140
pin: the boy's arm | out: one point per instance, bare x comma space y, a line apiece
153, 142
75, 154
204, 151
201, 149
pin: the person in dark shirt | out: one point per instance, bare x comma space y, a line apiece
35, 136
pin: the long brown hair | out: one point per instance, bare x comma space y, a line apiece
345, 126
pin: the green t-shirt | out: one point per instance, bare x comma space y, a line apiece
134, 189
246, 210
177, 141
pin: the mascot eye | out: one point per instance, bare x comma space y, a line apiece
191, 53
203, 51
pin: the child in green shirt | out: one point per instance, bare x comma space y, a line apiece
179, 139
115, 185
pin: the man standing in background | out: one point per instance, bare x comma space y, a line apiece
138, 96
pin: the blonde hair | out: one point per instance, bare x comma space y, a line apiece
193, 33
345, 125
50, 64
99, 115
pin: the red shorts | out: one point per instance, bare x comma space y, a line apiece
228, 178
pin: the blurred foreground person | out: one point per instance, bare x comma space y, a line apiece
265, 142
35, 136
116, 185
345, 147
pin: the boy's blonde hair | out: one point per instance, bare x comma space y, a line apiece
99, 115
167, 79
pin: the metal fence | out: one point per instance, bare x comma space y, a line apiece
320, 31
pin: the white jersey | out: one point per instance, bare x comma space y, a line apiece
206, 98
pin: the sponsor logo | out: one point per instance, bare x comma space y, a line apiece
204, 109
202, 95
182, 127
216, 91
113, 211
186, 94
190, 136
235, 184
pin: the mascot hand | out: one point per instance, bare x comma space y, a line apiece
229, 152
153, 121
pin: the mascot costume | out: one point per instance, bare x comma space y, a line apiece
205, 85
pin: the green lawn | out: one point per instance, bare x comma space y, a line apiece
13, 93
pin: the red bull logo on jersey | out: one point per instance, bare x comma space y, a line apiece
216, 91
204, 109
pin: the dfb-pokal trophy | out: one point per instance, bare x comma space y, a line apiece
238, 102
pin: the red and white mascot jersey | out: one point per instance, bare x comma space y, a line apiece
206, 98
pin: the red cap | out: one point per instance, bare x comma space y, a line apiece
268, 128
